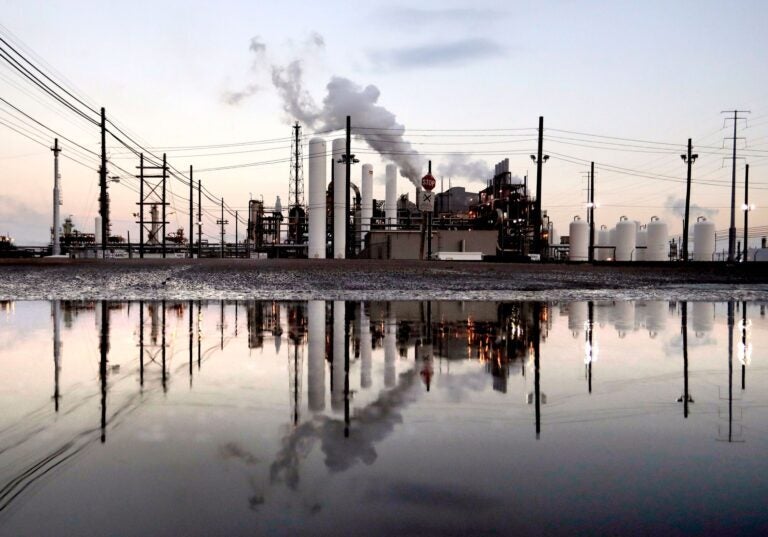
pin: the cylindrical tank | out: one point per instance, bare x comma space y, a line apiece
339, 147
603, 239
702, 317
317, 209
641, 243
97, 230
625, 239
579, 240
316, 364
339, 345
390, 202
624, 315
366, 348
658, 241
578, 313
656, 312
612, 244
703, 240
366, 201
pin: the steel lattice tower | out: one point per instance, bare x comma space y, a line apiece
296, 180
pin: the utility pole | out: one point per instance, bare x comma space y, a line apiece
746, 213
689, 159
539, 159
732, 227
236, 236
348, 159
199, 218
56, 250
165, 176
191, 213
222, 223
429, 222
141, 206
103, 196
591, 256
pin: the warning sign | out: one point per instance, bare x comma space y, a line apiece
426, 201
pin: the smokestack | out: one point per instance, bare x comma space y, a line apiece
390, 203
317, 185
339, 199
366, 202
316, 364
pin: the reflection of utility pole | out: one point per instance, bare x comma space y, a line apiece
104, 351
56, 305
590, 347
686, 397
165, 376
190, 306
141, 344
730, 369
347, 321
199, 335
536, 363
744, 350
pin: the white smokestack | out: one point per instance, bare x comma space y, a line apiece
316, 365
366, 202
390, 353
339, 199
337, 375
390, 203
317, 209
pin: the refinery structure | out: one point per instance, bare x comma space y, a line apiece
339, 218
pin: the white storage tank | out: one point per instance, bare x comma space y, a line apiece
703, 240
579, 240
578, 315
603, 239
624, 315
658, 240
625, 239
97, 230
702, 318
641, 243
612, 244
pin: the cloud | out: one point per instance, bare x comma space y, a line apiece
24, 223
462, 51
421, 17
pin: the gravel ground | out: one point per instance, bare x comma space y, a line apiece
294, 279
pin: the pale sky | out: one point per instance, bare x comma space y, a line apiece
454, 73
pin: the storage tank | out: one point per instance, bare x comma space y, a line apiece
624, 315
579, 240
658, 241
603, 239
578, 314
641, 243
339, 147
656, 312
317, 209
702, 317
390, 202
626, 231
97, 230
612, 244
703, 240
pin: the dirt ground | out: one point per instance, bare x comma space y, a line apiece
329, 279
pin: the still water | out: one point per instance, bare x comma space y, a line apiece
383, 418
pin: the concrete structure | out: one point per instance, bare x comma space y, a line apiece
407, 244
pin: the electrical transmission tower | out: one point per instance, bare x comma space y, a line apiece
152, 192
732, 227
296, 212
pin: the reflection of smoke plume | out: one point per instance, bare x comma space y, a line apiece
676, 206
371, 425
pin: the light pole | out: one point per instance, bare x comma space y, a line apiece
746, 208
689, 159
539, 161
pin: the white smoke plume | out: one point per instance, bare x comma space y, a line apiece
676, 206
371, 122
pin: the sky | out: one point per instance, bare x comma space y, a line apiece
624, 84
